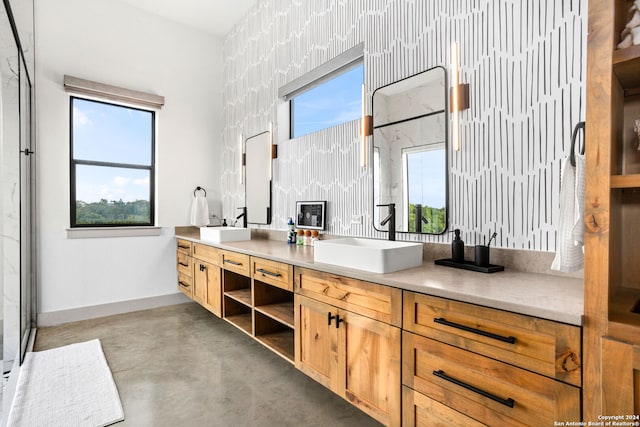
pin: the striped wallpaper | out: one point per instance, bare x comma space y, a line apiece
524, 61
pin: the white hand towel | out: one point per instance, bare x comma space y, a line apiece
569, 256
577, 232
199, 211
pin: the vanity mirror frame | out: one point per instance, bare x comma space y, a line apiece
258, 158
377, 213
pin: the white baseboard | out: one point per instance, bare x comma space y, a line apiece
53, 318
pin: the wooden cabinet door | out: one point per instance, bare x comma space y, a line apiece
213, 291
620, 378
316, 352
369, 366
199, 292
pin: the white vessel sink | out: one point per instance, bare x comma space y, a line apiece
224, 234
376, 256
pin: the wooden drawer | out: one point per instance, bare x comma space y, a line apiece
184, 264
185, 284
273, 273
207, 253
233, 261
184, 246
543, 346
487, 390
378, 302
420, 411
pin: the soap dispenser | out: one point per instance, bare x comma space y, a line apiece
291, 233
457, 247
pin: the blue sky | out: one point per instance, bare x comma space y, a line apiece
331, 103
105, 132
427, 175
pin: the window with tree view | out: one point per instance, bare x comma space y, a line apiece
112, 164
424, 169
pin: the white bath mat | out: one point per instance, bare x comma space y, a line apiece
66, 386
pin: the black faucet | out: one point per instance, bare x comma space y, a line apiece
420, 218
243, 215
391, 219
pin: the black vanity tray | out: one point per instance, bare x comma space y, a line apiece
469, 265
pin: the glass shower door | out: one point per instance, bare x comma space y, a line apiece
27, 209
10, 190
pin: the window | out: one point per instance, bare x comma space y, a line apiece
112, 164
336, 100
328, 95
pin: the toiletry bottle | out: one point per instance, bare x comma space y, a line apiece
291, 234
457, 247
315, 236
300, 238
307, 237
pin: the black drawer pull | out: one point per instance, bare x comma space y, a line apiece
443, 321
506, 402
184, 247
330, 317
232, 262
183, 264
268, 273
338, 321
184, 285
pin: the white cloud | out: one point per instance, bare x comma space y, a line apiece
144, 182
80, 118
121, 181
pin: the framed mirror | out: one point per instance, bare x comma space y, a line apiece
258, 178
410, 156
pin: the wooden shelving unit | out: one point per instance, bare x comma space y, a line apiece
262, 310
237, 300
274, 324
612, 212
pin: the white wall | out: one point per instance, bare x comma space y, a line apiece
110, 42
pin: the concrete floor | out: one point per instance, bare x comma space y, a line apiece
182, 366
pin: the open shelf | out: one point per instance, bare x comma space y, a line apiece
274, 335
242, 321
238, 314
622, 302
274, 302
625, 181
625, 64
282, 312
280, 342
241, 295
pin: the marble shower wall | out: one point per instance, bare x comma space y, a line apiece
524, 61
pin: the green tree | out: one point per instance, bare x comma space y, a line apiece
113, 212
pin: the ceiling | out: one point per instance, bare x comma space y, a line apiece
216, 17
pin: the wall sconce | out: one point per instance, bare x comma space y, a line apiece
459, 98
241, 159
366, 128
274, 151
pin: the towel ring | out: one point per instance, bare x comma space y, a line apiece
198, 188
572, 156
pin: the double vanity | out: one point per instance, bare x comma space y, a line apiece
425, 346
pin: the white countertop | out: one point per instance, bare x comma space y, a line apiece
540, 295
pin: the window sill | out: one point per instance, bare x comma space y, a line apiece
99, 232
